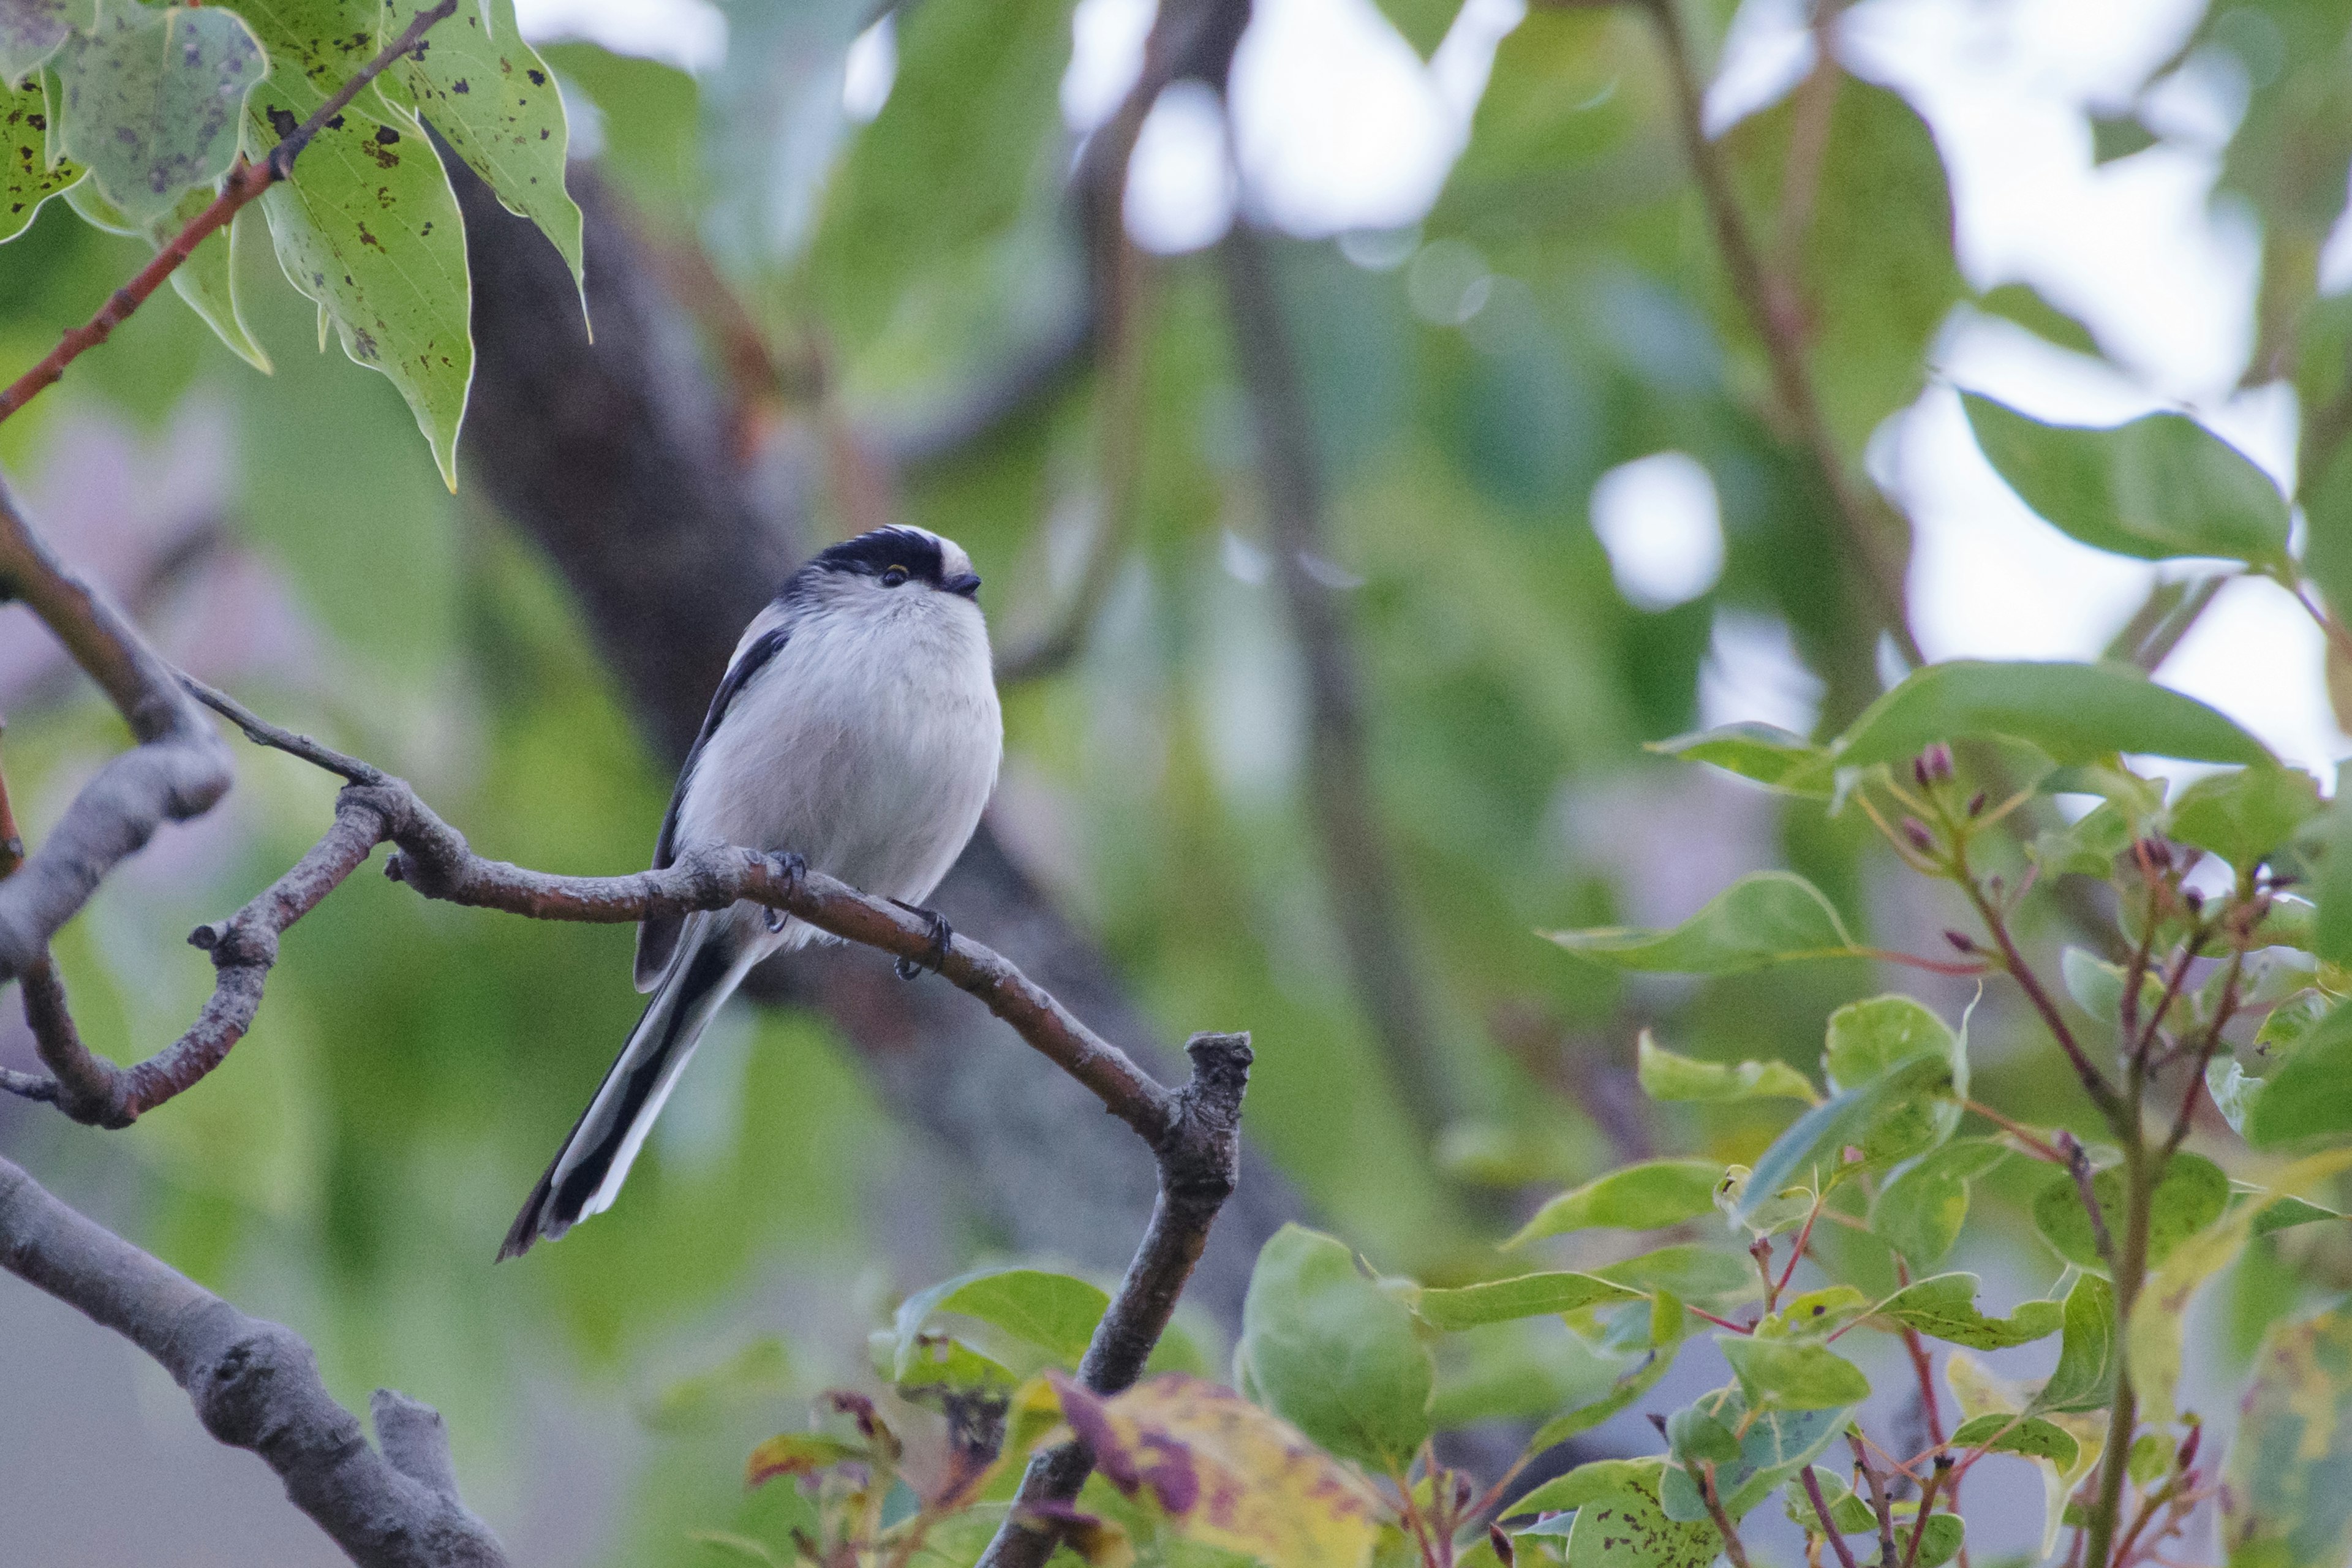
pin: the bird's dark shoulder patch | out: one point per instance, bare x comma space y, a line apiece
752, 659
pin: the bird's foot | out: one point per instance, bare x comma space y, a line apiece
935, 957
791, 866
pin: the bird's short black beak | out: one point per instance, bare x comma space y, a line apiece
964, 583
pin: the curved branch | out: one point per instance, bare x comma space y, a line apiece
254, 1386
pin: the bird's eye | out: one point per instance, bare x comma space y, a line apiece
895, 577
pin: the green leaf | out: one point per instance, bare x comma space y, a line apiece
1621, 1526
2085, 1374
2285, 1214
941, 1365
2161, 486
1770, 917
1693, 1431
151, 100
490, 96
2087, 846
2191, 1195
1772, 1446
1921, 1208
206, 281
1703, 1274
1943, 1308
2309, 1097
1668, 1323
2245, 816
1813, 1147
1793, 1374
1666, 1076
2029, 1435
2332, 930
1423, 22
368, 225
1816, 1314
31, 31
26, 180
1332, 1353
1527, 1296
1592, 1479
1648, 1196
2074, 714
2098, 986
2285, 1503
1870, 1039
1765, 752
1054, 1312
2291, 1022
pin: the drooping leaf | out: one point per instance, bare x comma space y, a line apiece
1921, 1208
2190, 1195
1666, 1076
489, 95
1648, 1196
26, 180
1813, 1148
1943, 1308
2286, 1492
1793, 1374
2085, 1374
2309, 1096
31, 31
207, 278
2074, 713
1225, 1473
2029, 1435
2161, 486
151, 100
368, 225
1331, 1352
1770, 917
1764, 753
1769, 1447
1527, 1296
1054, 1312
2245, 816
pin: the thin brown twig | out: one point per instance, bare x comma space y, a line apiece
1926, 1509
1829, 1525
2094, 1083
1879, 1502
243, 183
1732, 1546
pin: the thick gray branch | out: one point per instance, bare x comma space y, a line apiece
254, 1386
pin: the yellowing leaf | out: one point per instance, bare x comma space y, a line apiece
796, 1454
1226, 1473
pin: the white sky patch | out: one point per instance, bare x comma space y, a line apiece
1659, 519
1107, 38
688, 33
1752, 674
2255, 655
869, 69
1179, 184
1767, 51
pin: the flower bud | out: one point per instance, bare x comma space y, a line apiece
1916, 832
1961, 941
1977, 803
1938, 758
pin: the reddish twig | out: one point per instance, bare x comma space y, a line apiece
244, 184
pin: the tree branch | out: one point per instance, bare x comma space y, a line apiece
1200, 1165
1359, 870
243, 185
254, 1386
1869, 527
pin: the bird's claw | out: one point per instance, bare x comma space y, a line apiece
935, 956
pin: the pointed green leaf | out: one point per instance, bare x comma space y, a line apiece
26, 180
1813, 1148
2245, 816
2309, 1097
1703, 1274
1648, 1196
151, 100
1793, 1374
2189, 1196
206, 281
368, 225
1870, 1039
2161, 486
2027, 1435
2074, 713
491, 96
1945, 1307
1771, 917
1332, 1353
1668, 1324
1767, 754
1054, 1312
2085, 1374
1527, 1296
1921, 1208
1666, 1076
31, 30
2285, 1500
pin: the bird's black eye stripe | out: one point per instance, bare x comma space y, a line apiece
895, 577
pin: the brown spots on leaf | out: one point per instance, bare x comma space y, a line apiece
461, 85
363, 343
538, 78
386, 135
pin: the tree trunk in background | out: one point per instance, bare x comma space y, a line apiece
614, 459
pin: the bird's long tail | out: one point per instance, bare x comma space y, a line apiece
587, 1172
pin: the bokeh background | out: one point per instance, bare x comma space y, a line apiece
1561, 525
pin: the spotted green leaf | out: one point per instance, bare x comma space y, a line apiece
368, 225
31, 31
2285, 1498
2309, 1097
27, 178
2029, 1435
1945, 1307
151, 100
1771, 917
1619, 1524
488, 93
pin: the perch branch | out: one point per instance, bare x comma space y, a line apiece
254, 1386
244, 184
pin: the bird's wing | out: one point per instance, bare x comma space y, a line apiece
657, 938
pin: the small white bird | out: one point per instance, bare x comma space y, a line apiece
858, 728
